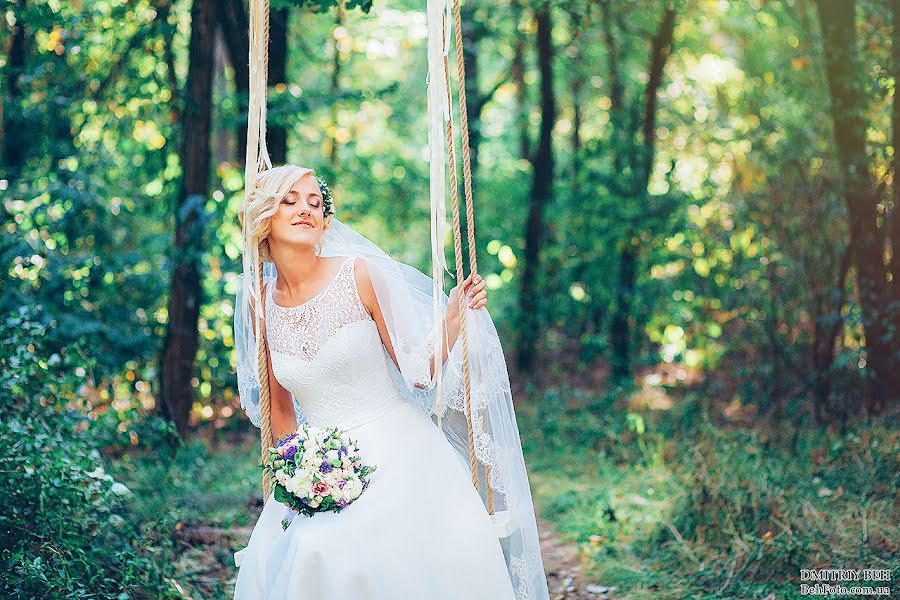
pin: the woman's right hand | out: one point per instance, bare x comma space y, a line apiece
473, 288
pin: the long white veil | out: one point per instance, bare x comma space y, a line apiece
405, 296
413, 305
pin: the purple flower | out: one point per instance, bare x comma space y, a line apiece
290, 452
341, 484
342, 503
326, 467
343, 451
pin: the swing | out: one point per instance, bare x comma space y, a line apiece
439, 108
501, 520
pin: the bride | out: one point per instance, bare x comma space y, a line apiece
348, 335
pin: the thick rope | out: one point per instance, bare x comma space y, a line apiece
257, 158
457, 241
467, 182
457, 250
265, 398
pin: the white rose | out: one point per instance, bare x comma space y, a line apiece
352, 488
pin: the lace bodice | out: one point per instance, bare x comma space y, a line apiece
328, 353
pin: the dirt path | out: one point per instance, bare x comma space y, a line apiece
208, 558
565, 570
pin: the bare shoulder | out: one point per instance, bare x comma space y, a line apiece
364, 282
361, 272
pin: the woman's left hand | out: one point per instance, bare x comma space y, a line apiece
474, 290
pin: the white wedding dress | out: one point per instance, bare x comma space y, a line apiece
396, 541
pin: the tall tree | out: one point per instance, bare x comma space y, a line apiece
848, 105
232, 17
14, 130
634, 148
335, 84
185, 298
541, 191
235, 24
276, 140
518, 77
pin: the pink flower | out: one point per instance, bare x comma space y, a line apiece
321, 488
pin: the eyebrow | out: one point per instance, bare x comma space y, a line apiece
295, 193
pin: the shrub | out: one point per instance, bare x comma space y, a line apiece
64, 526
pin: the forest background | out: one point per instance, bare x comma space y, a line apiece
687, 218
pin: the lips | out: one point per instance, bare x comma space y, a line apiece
304, 223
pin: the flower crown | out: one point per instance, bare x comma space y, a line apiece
327, 200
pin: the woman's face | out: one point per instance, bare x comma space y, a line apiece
300, 218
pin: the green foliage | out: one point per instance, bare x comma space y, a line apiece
731, 512
65, 524
322, 5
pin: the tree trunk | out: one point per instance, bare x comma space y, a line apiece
14, 129
541, 192
223, 145
838, 23
335, 88
185, 299
471, 33
577, 87
823, 341
518, 77
276, 140
643, 152
235, 24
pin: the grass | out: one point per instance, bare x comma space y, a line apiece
202, 484
664, 504
660, 503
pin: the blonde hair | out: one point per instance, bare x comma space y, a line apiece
272, 185
268, 190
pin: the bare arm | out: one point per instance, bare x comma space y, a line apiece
283, 417
451, 318
370, 302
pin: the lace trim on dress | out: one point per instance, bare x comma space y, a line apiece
303, 329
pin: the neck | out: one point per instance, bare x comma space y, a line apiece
296, 267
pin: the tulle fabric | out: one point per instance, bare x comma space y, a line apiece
387, 544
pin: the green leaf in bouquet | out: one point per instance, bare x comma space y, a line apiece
281, 494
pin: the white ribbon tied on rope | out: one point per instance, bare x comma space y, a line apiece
438, 15
257, 157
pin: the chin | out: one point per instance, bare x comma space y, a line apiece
298, 240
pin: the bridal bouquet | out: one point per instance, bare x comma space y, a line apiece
315, 470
